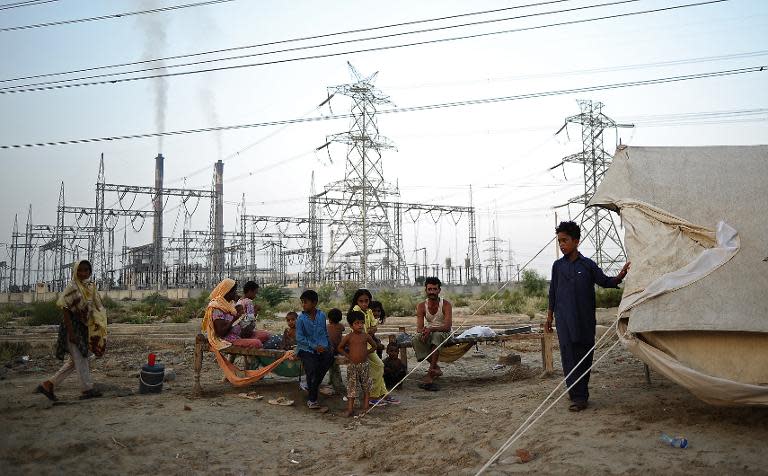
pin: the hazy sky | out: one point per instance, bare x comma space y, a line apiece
503, 150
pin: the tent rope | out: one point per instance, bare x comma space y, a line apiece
523, 428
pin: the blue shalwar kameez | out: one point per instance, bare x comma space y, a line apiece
572, 299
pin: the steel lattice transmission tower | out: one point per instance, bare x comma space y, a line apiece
598, 229
363, 217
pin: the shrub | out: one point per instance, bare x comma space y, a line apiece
139, 320
610, 297
154, 304
44, 313
533, 283
9, 350
325, 292
273, 295
458, 300
283, 308
397, 303
514, 302
5, 318
484, 307
348, 289
190, 309
109, 303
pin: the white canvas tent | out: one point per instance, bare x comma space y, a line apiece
695, 305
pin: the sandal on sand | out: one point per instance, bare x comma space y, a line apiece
577, 406
281, 401
250, 396
430, 387
92, 393
48, 393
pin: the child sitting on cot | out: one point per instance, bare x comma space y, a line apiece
394, 368
355, 347
335, 332
289, 335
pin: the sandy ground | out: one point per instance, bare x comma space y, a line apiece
453, 431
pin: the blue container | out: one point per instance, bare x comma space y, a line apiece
151, 378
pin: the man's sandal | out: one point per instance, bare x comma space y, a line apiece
92, 393
578, 406
430, 387
48, 393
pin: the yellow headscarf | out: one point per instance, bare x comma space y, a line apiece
81, 297
218, 302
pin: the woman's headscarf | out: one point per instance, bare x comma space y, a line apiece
218, 302
81, 298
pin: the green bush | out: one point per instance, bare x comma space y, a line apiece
397, 303
154, 305
44, 313
348, 289
283, 308
139, 320
5, 318
610, 297
9, 350
190, 309
110, 304
514, 302
483, 307
273, 295
533, 283
458, 300
325, 292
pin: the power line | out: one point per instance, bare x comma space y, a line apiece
272, 43
608, 69
25, 88
114, 15
164, 68
28, 3
428, 107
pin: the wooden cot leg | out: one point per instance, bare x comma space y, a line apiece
546, 353
403, 350
200, 343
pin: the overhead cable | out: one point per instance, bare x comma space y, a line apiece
272, 43
114, 15
27, 88
163, 68
428, 107
28, 3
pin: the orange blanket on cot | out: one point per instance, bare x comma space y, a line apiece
231, 370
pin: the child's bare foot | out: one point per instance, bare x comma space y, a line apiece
349, 413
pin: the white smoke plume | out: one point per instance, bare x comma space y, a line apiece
156, 46
208, 104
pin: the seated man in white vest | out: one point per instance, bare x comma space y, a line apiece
433, 327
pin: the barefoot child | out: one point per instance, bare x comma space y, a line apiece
356, 346
335, 332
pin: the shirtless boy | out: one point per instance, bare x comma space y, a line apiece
354, 346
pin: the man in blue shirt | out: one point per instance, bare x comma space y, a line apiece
313, 345
572, 301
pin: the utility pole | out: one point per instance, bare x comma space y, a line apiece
598, 228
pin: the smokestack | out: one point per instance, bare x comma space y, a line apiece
157, 231
218, 220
